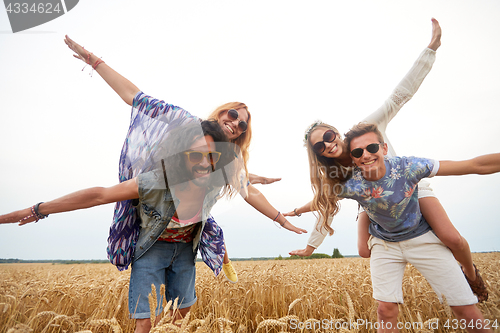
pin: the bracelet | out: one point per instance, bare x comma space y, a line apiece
33, 214
295, 211
29, 216
34, 210
98, 61
276, 219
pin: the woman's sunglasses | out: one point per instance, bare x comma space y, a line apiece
371, 148
329, 136
197, 156
234, 115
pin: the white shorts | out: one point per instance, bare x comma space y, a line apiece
424, 189
430, 257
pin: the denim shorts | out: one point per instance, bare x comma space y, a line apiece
168, 263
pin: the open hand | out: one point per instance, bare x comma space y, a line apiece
254, 179
304, 252
290, 214
18, 217
436, 35
287, 225
81, 53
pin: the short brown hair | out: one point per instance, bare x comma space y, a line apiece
359, 130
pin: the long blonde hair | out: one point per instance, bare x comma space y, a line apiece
243, 141
326, 175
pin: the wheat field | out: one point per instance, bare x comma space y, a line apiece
321, 295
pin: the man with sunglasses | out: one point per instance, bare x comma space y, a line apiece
190, 170
387, 189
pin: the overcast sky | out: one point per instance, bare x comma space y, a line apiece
291, 62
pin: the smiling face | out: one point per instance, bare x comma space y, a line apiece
200, 171
230, 126
333, 149
372, 165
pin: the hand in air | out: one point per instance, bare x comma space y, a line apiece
22, 217
81, 53
436, 35
303, 253
290, 214
288, 226
254, 179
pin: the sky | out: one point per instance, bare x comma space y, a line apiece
291, 62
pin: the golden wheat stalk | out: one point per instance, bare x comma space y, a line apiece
42, 314
152, 305
271, 322
290, 307
113, 323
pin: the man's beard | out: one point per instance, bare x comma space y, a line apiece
203, 181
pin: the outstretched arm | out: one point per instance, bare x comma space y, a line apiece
409, 85
481, 165
259, 202
317, 237
254, 179
123, 87
299, 211
87, 198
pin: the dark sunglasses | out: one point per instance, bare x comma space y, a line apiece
371, 148
329, 136
234, 115
197, 156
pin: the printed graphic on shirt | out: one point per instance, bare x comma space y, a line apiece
392, 201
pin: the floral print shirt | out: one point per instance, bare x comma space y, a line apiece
392, 201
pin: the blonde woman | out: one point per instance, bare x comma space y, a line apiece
150, 119
330, 164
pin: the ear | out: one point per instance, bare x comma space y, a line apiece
385, 149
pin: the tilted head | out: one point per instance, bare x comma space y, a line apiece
367, 148
323, 140
233, 124
235, 120
324, 145
202, 154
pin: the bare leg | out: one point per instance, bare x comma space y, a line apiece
226, 257
144, 325
180, 314
387, 317
470, 314
439, 221
363, 235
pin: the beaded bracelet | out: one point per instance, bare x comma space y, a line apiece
34, 213
30, 216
